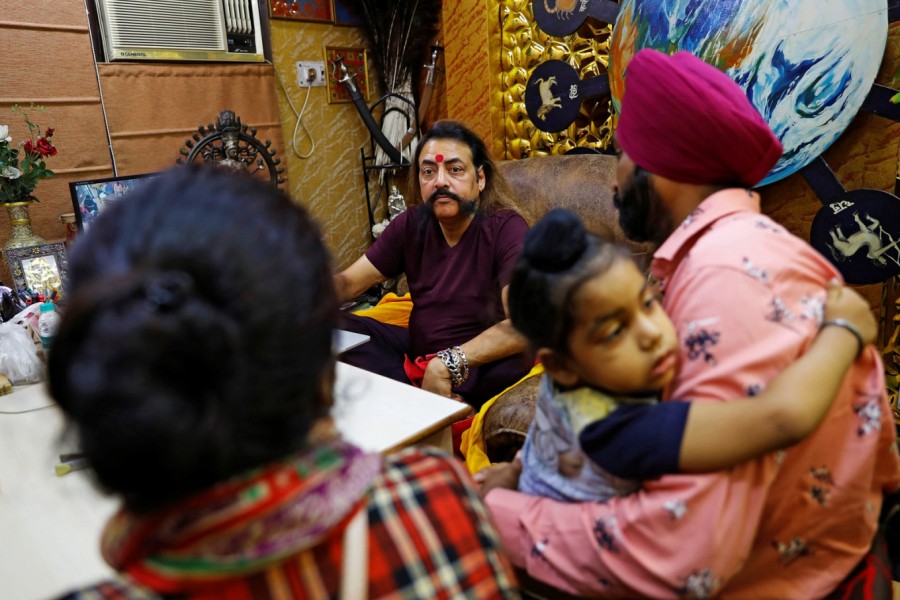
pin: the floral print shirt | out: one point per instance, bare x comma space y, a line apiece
746, 297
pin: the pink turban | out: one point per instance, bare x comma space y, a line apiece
685, 120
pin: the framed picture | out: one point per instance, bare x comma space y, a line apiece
355, 61
345, 14
301, 10
38, 268
90, 197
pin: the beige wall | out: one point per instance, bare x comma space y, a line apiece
330, 182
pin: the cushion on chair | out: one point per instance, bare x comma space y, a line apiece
391, 309
499, 428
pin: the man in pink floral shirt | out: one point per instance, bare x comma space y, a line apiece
746, 297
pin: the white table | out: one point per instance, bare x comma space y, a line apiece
380, 414
344, 340
50, 526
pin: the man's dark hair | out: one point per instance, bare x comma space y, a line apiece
496, 193
196, 343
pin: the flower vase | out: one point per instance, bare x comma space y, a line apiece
22, 233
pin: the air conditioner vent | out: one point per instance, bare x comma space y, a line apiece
181, 30
187, 24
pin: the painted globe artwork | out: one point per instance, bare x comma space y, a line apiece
806, 65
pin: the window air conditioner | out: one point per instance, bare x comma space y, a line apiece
203, 30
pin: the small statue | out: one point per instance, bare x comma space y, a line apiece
396, 203
233, 145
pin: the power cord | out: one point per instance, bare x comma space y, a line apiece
28, 410
299, 115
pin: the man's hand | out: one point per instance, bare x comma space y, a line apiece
437, 378
499, 475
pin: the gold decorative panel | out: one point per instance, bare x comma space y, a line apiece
469, 56
521, 47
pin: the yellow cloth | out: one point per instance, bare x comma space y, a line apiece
391, 309
472, 443
394, 310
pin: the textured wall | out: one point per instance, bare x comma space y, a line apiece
330, 182
466, 30
150, 107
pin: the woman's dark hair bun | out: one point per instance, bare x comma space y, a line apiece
556, 242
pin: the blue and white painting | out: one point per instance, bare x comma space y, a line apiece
806, 65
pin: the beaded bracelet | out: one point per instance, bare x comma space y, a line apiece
860, 344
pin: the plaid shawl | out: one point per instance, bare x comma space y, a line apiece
262, 537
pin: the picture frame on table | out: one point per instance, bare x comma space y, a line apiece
316, 11
90, 197
38, 268
345, 15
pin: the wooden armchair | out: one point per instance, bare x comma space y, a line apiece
583, 184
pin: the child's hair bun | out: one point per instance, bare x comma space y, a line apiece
556, 242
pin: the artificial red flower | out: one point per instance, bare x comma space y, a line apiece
45, 147
23, 166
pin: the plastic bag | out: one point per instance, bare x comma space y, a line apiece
19, 359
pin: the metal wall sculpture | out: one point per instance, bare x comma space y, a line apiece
232, 145
524, 48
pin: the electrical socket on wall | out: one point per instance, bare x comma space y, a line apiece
310, 73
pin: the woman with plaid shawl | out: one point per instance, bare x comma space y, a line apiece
194, 363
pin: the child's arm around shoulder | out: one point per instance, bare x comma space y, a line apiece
720, 435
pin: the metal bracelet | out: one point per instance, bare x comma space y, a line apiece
451, 361
465, 362
860, 344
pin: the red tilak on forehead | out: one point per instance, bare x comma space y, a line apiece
439, 158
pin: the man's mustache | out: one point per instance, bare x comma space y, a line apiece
445, 194
466, 207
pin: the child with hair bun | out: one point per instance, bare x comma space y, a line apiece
609, 350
